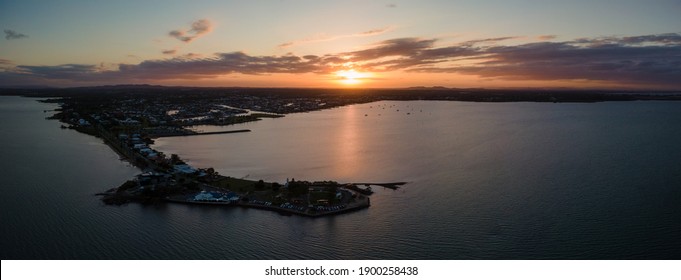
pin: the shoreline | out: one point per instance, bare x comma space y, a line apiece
285, 211
129, 131
353, 200
206, 133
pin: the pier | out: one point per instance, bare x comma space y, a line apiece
393, 186
207, 133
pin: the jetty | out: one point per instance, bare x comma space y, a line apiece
394, 185
207, 133
364, 191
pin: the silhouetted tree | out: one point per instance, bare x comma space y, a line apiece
260, 185
174, 158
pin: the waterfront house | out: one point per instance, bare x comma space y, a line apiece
204, 196
184, 168
139, 146
153, 178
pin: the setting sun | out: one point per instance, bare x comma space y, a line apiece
351, 77
391, 45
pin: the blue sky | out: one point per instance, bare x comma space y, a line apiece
95, 42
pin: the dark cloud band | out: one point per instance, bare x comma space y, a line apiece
650, 60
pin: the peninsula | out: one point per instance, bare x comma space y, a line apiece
129, 118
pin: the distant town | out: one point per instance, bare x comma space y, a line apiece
128, 118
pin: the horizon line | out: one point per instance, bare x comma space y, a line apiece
43, 87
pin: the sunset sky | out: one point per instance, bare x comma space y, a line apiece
284, 43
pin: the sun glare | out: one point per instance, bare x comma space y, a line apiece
351, 77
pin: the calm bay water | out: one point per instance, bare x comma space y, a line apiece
487, 181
